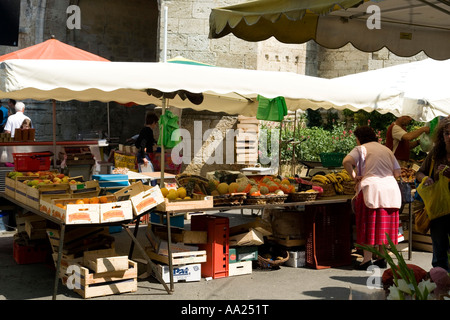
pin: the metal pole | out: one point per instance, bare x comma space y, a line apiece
54, 133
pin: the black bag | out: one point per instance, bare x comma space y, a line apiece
405, 189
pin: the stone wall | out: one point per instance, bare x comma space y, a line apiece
114, 29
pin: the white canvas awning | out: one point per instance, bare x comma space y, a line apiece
229, 90
405, 27
423, 88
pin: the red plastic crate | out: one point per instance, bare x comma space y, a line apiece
328, 235
30, 254
32, 161
217, 247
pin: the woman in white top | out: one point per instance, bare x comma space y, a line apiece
374, 168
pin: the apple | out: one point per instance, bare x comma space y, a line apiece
56, 180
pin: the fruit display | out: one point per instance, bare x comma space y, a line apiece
408, 174
336, 179
268, 185
41, 178
175, 193
90, 200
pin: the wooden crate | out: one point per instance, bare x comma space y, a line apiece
48, 191
78, 240
107, 283
422, 241
143, 197
10, 187
115, 211
36, 229
86, 189
198, 202
179, 234
179, 258
105, 260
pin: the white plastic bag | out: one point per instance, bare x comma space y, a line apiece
425, 142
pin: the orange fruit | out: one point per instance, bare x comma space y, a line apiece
59, 205
103, 199
94, 200
79, 201
86, 200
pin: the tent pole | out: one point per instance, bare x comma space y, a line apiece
109, 125
54, 133
163, 153
164, 102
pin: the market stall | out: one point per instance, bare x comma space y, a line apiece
61, 205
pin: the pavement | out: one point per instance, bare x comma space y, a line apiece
36, 281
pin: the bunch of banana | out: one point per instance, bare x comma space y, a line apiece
344, 175
320, 179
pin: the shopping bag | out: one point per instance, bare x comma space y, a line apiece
436, 197
271, 109
422, 221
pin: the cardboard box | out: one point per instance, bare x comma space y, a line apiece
258, 224
250, 238
245, 253
143, 198
297, 259
186, 273
239, 268
116, 211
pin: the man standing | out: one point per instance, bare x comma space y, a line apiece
400, 141
15, 121
4, 114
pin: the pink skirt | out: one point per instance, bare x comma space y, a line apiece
373, 224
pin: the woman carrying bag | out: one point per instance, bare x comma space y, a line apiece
374, 168
434, 189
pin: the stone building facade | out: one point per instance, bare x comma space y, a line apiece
134, 30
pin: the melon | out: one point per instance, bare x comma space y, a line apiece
222, 188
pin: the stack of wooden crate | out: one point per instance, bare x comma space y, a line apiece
90, 265
247, 140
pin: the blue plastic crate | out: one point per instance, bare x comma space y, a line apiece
111, 180
177, 221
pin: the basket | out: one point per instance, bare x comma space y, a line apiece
332, 159
302, 196
328, 189
273, 264
266, 199
33, 161
231, 199
349, 187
